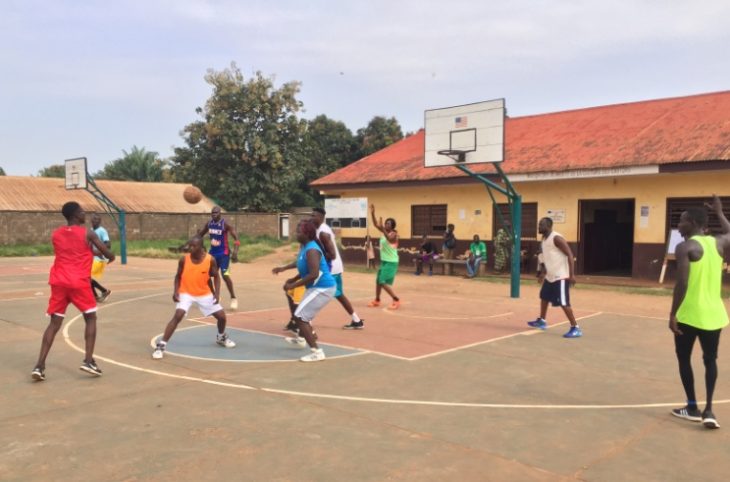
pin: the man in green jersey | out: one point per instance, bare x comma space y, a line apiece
388, 260
697, 307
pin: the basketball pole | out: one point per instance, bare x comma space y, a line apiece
515, 204
118, 215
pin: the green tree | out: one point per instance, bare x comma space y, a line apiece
55, 170
379, 133
327, 145
2, 171
246, 150
135, 165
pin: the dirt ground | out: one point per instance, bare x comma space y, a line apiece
452, 385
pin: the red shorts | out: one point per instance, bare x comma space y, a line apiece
61, 296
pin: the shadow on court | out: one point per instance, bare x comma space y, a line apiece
453, 384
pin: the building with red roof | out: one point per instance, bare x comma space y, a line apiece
613, 178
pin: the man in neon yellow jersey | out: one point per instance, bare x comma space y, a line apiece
697, 307
388, 260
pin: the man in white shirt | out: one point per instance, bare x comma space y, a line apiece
327, 238
556, 272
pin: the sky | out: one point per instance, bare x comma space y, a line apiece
93, 78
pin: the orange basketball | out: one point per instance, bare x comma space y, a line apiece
192, 194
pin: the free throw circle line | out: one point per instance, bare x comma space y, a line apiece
327, 396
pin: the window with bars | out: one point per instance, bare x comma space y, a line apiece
529, 219
676, 206
428, 219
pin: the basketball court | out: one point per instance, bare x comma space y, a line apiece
451, 385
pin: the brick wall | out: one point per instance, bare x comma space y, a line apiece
36, 227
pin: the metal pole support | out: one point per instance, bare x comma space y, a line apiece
123, 235
516, 246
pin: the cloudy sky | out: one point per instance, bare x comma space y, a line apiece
93, 77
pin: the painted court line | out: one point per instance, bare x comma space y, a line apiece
529, 332
208, 381
153, 344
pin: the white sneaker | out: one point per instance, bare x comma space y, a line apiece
298, 341
159, 352
224, 341
316, 355
234, 304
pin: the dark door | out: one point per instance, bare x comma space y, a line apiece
607, 237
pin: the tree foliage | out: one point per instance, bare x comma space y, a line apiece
246, 151
379, 133
327, 145
55, 170
2, 171
135, 165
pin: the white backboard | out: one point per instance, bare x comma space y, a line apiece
76, 173
476, 128
674, 239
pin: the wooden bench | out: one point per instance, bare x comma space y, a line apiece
450, 263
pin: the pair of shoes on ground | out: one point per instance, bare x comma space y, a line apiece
573, 332
317, 354
694, 415
39, 374
103, 297
221, 340
393, 306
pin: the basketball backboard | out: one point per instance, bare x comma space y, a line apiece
76, 173
474, 133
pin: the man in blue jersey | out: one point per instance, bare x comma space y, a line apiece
219, 229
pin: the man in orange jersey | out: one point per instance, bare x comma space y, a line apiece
193, 285
70, 281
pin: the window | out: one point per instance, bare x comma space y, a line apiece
676, 206
529, 219
429, 220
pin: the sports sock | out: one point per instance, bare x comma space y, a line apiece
355, 318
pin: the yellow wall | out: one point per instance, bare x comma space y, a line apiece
645, 190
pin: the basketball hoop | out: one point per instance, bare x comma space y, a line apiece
457, 155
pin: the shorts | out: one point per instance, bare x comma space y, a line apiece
97, 268
82, 298
314, 300
338, 284
224, 263
296, 294
556, 292
206, 303
386, 272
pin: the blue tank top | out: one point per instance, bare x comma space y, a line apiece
325, 279
218, 237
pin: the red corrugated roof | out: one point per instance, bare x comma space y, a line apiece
665, 131
49, 194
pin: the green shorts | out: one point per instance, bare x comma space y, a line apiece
386, 272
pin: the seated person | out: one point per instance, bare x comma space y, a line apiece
426, 254
478, 253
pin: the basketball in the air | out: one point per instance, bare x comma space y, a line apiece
192, 194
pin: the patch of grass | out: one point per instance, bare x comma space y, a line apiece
251, 248
18, 250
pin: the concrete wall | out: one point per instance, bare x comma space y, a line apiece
36, 227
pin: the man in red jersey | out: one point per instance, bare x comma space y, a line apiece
70, 281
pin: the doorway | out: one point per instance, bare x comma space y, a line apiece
607, 237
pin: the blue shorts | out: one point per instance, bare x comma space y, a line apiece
223, 261
338, 284
557, 292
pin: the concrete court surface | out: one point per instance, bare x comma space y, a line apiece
453, 385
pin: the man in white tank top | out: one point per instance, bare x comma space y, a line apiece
556, 272
327, 238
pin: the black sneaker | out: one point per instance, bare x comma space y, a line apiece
90, 367
38, 374
355, 325
291, 326
104, 296
691, 414
709, 420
